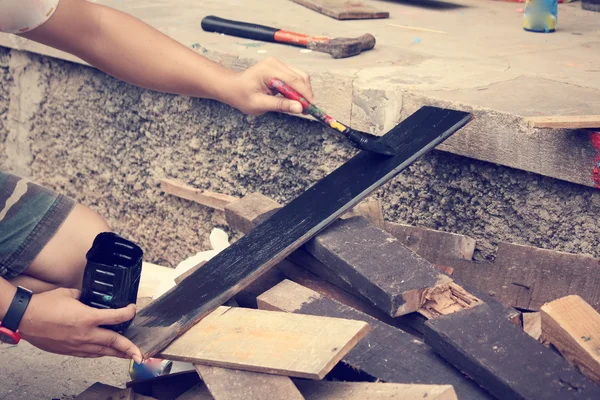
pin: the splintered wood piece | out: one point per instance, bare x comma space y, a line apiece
301, 346
565, 121
377, 266
532, 324
370, 209
232, 384
234, 268
207, 198
503, 359
319, 390
435, 246
573, 327
527, 277
387, 353
344, 9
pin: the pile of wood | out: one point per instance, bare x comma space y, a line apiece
369, 309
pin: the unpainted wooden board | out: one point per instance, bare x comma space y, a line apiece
573, 327
344, 9
217, 201
532, 324
503, 359
435, 246
301, 346
231, 384
527, 277
565, 121
322, 390
387, 353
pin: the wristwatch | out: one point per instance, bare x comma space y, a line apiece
10, 324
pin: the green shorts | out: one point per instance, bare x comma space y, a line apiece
30, 215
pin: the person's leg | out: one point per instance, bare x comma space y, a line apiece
44, 236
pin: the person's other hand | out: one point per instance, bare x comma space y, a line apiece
249, 91
57, 322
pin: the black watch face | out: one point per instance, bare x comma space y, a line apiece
7, 338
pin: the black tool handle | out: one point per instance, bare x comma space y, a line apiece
239, 29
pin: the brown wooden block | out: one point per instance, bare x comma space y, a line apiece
231, 384
386, 353
344, 9
435, 246
320, 390
503, 359
573, 327
269, 342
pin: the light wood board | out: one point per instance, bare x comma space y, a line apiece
322, 390
300, 346
565, 121
573, 327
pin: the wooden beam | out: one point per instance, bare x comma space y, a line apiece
155, 326
527, 277
565, 121
503, 359
319, 390
231, 384
437, 247
217, 201
387, 353
344, 9
269, 342
573, 327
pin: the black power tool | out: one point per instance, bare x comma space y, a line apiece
112, 274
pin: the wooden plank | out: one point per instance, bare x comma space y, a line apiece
503, 359
302, 346
532, 324
344, 9
234, 268
387, 353
320, 390
564, 121
231, 384
376, 265
527, 277
435, 246
573, 327
217, 201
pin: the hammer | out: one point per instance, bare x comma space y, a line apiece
338, 47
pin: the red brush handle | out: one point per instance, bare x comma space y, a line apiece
288, 92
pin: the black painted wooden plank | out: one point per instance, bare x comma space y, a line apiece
225, 275
505, 360
386, 353
376, 265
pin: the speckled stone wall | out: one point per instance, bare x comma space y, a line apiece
106, 144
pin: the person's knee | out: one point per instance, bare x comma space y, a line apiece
62, 261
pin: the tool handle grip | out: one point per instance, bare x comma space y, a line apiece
239, 29
288, 92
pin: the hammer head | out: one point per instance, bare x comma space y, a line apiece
344, 47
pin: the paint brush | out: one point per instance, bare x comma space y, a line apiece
360, 140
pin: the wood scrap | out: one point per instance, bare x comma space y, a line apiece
231, 384
437, 247
532, 324
503, 359
319, 390
269, 342
573, 327
214, 200
526, 277
564, 121
387, 353
344, 9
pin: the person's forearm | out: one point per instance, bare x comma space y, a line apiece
130, 50
7, 293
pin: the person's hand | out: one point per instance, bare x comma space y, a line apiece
57, 322
249, 91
